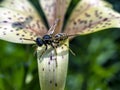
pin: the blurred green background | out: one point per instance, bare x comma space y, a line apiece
96, 65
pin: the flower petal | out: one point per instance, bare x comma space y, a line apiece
52, 67
55, 9
90, 16
20, 20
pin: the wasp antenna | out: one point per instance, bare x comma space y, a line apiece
70, 50
72, 35
29, 39
34, 46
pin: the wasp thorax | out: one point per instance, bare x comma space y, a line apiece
47, 39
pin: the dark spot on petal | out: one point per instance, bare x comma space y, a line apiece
4, 33
33, 25
51, 57
104, 26
79, 20
96, 13
4, 13
50, 81
9, 12
23, 7
53, 70
17, 34
87, 15
29, 18
43, 28
118, 17
17, 29
14, 15
62, 56
18, 14
56, 46
55, 59
56, 84
49, 63
9, 18
20, 38
109, 24
11, 30
12, 2
26, 32
105, 19
75, 23
31, 38
83, 22
30, 10
23, 35
31, 33
5, 21
5, 28
21, 18
100, 17
18, 25
42, 69
100, 12
96, 27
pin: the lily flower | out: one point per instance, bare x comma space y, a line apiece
21, 23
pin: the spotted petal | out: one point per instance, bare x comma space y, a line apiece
55, 9
53, 68
91, 16
20, 20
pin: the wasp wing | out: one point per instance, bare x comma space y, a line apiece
51, 31
54, 9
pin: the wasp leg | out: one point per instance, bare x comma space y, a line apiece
70, 50
35, 52
55, 53
43, 51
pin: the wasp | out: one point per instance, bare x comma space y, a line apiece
50, 39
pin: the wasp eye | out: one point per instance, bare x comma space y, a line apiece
39, 41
